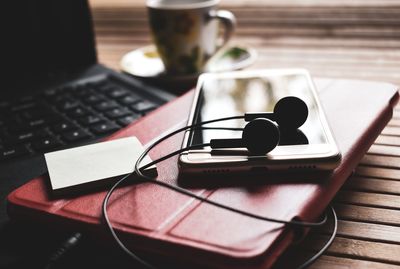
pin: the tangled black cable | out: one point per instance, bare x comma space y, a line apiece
178, 189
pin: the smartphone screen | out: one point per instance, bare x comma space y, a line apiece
233, 96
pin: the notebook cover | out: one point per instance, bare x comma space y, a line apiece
160, 221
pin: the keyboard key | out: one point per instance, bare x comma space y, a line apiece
37, 123
14, 152
129, 99
64, 126
104, 128
105, 87
93, 99
106, 105
46, 143
76, 135
117, 92
97, 83
143, 106
90, 120
118, 112
83, 91
67, 104
29, 125
61, 97
125, 121
24, 106
39, 112
78, 112
50, 93
24, 137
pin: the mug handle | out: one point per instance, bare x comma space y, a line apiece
228, 21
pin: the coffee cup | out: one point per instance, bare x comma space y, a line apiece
187, 33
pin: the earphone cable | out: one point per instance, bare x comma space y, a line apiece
177, 131
145, 178
149, 266
139, 172
107, 220
332, 237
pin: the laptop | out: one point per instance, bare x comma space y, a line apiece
54, 94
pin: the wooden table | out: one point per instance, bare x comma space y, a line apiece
343, 39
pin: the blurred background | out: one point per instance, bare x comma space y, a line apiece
335, 38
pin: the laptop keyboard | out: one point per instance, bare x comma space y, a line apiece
66, 116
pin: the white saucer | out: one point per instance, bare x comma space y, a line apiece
145, 63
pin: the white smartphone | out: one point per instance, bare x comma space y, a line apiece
311, 147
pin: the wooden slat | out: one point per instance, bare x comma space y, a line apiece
388, 140
395, 122
331, 262
392, 130
373, 185
368, 199
378, 172
385, 150
382, 161
368, 214
365, 231
360, 249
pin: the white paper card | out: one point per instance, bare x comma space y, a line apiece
94, 162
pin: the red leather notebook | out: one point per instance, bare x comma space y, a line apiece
160, 221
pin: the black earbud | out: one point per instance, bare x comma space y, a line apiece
262, 134
259, 136
289, 112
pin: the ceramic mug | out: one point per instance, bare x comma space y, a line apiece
186, 32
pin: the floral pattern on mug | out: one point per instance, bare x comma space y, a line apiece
186, 34
183, 23
176, 39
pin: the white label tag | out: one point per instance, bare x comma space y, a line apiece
92, 163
